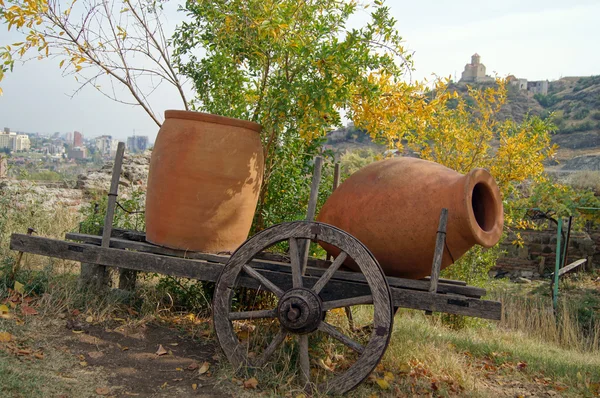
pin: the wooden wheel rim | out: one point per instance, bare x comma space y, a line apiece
381, 295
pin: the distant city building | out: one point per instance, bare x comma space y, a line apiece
475, 71
14, 141
77, 153
77, 139
69, 137
137, 143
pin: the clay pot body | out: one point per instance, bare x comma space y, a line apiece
203, 184
393, 207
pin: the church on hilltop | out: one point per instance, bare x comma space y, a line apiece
475, 71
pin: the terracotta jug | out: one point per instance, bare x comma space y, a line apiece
204, 180
393, 207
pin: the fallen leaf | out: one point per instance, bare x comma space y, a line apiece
5, 337
193, 366
39, 355
3, 309
300, 396
174, 344
388, 376
77, 331
179, 369
165, 384
95, 354
194, 387
251, 383
161, 351
89, 319
83, 363
102, 390
133, 394
75, 312
323, 365
522, 365
124, 348
24, 352
383, 384
27, 310
19, 287
404, 368
204, 368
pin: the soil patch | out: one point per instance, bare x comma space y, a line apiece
127, 355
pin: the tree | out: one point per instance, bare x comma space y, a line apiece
441, 126
292, 66
118, 42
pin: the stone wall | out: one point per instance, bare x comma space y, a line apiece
537, 256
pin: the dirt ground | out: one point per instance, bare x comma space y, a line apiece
129, 357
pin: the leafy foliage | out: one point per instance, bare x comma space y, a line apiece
291, 66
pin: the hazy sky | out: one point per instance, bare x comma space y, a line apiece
533, 39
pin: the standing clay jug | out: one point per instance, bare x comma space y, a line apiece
393, 207
204, 180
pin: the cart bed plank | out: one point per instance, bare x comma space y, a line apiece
336, 289
421, 285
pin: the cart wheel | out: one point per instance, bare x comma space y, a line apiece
301, 307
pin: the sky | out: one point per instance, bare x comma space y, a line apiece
532, 39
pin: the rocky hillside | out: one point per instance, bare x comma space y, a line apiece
574, 102
134, 176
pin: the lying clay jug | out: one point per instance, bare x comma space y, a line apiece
204, 180
393, 207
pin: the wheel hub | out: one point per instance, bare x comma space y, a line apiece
299, 310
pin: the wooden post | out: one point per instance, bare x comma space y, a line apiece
336, 183
17, 265
304, 245
566, 245
94, 275
438, 254
557, 266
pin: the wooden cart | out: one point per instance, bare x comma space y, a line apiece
305, 290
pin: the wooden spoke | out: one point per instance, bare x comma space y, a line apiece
333, 332
329, 273
296, 266
264, 281
252, 314
359, 300
266, 354
303, 359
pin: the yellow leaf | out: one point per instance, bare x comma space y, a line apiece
194, 387
5, 337
3, 309
251, 383
1, 91
89, 319
204, 368
61, 63
388, 376
19, 288
383, 384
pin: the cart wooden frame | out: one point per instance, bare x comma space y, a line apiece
306, 288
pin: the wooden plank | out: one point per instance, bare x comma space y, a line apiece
570, 267
304, 246
447, 281
451, 304
145, 262
112, 195
336, 289
440, 245
412, 284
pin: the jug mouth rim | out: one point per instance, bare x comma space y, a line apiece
211, 118
484, 207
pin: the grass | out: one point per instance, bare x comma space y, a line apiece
428, 355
